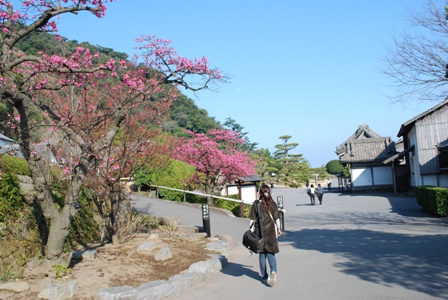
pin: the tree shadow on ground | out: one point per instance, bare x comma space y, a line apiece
415, 262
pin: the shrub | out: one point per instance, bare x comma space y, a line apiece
11, 201
191, 198
334, 167
433, 200
234, 207
84, 229
16, 165
173, 176
19, 234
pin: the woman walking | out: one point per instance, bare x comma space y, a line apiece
271, 230
312, 194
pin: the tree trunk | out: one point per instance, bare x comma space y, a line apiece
210, 201
59, 224
115, 217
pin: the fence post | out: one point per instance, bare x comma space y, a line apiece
206, 219
282, 216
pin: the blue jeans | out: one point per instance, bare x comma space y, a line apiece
272, 263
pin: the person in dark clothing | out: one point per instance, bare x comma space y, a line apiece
312, 193
320, 193
271, 230
329, 184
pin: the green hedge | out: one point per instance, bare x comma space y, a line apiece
433, 200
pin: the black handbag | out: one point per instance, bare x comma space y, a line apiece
252, 241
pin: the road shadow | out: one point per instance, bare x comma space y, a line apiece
238, 270
414, 262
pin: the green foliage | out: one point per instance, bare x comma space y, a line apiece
11, 201
234, 126
19, 232
334, 167
84, 229
43, 41
175, 175
9, 274
433, 200
16, 165
293, 167
234, 207
186, 115
191, 198
61, 271
267, 167
3, 112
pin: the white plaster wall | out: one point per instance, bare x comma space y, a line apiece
382, 175
443, 180
361, 177
429, 180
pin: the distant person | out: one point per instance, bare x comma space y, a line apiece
272, 186
271, 231
312, 193
307, 185
320, 193
329, 184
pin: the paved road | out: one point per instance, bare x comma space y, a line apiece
351, 247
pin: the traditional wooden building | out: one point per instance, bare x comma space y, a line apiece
425, 140
364, 152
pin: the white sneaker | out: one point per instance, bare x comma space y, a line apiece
272, 279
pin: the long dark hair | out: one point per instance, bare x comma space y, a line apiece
265, 200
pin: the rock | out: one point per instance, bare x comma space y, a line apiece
153, 236
59, 291
228, 239
25, 179
119, 292
16, 286
84, 254
164, 253
195, 237
219, 247
146, 246
187, 229
26, 188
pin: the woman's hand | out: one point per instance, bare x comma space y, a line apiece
279, 232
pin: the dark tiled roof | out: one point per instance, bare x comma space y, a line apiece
374, 149
363, 132
365, 145
5, 138
249, 178
405, 127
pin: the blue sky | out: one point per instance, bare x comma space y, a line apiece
308, 69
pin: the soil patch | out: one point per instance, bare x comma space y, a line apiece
117, 266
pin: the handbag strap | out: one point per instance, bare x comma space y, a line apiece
259, 219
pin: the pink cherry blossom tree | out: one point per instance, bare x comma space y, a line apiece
94, 100
216, 158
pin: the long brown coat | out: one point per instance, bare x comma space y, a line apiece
269, 231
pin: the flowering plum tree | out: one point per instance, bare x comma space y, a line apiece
89, 106
216, 158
